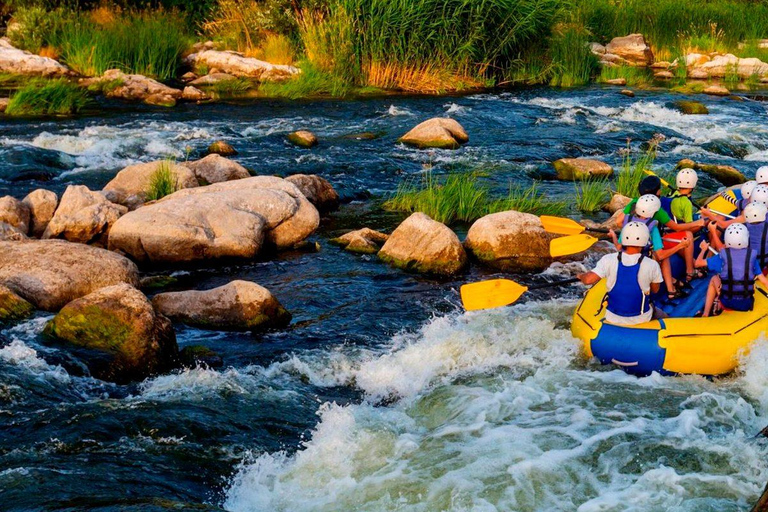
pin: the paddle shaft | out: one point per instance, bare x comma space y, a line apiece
553, 284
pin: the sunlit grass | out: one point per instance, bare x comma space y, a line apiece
591, 195
163, 182
633, 169
47, 97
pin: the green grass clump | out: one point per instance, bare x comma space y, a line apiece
231, 87
312, 81
37, 27
528, 200
633, 169
591, 195
147, 43
635, 77
48, 97
163, 182
106, 86
572, 61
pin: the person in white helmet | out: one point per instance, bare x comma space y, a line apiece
757, 195
761, 176
631, 277
736, 266
646, 208
682, 206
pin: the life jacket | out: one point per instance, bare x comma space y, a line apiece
626, 298
758, 240
666, 205
651, 223
737, 274
740, 205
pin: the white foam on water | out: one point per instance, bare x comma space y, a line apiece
454, 108
398, 111
498, 411
20, 354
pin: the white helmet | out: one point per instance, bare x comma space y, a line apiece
761, 176
747, 188
635, 234
759, 195
736, 236
687, 178
755, 212
647, 206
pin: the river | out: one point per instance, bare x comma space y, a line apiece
382, 395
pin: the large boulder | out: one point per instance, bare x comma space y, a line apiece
222, 148
14, 213
238, 65
123, 338
83, 216
423, 245
317, 189
42, 205
438, 132
215, 168
510, 241
131, 185
225, 220
632, 49
238, 305
362, 241
13, 307
691, 107
573, 169
116, 84
617, 202
725, 174
721, 66
50, 273
19, 62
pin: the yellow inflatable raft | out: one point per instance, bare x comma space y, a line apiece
679, 344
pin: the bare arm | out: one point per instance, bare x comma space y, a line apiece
714, 237
663, 254
762, 279
687, 226
655, 287
701, 261
588, 278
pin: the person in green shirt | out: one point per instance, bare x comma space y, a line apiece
682, 206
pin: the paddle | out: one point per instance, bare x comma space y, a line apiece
564, 226
497, 293
573, 244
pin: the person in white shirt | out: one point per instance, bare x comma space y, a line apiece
630, 278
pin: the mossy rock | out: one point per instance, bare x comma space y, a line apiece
691, 107
303, 139
200, 355
12, 307
157, 282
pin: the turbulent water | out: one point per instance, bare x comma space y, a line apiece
383, 395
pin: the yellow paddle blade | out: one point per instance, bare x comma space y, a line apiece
721, 205
491, 294
561, 226
566, 245
662, 180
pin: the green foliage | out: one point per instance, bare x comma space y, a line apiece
591, 195
311, 82
232, 87
528, 200
105, 86
48, 97
573, 62
147, 43
633, 169
635, 77
37, 27
163, 182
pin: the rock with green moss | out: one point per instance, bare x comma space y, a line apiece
438, 132
574, 169
221, 148
303, 139
119, 334
160, 100
199, 355
236, 306
13, 307
423, 245
510, 241
362, 241
691, 107
725, 174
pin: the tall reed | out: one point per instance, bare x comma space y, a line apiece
48, 97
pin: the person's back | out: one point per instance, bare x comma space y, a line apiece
681, 204
755, 221
737, 275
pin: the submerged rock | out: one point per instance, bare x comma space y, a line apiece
303, 139
13, 307
214, 168
83, 216
14, 213
226, 220
423, 245
42, 205
236, 64
125, 338
573, 169
131, 185
222, 148
199, 355
160, 100
691, 107
362, 241
438, 132
627, 92
716, 90
19, 62
616, 81
317, 189
51, 273
237, 306
510, 241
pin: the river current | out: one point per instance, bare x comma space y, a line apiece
383, 394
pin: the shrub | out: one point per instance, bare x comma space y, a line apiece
528, 200
573, 62
37, 27
633, 170
163, 182
47, 97
310, 82
591, 195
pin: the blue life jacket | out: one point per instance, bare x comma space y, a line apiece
651, 223
758, 240
737, 274
626, 298
666, 205
740, 205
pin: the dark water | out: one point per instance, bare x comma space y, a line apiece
364, 334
